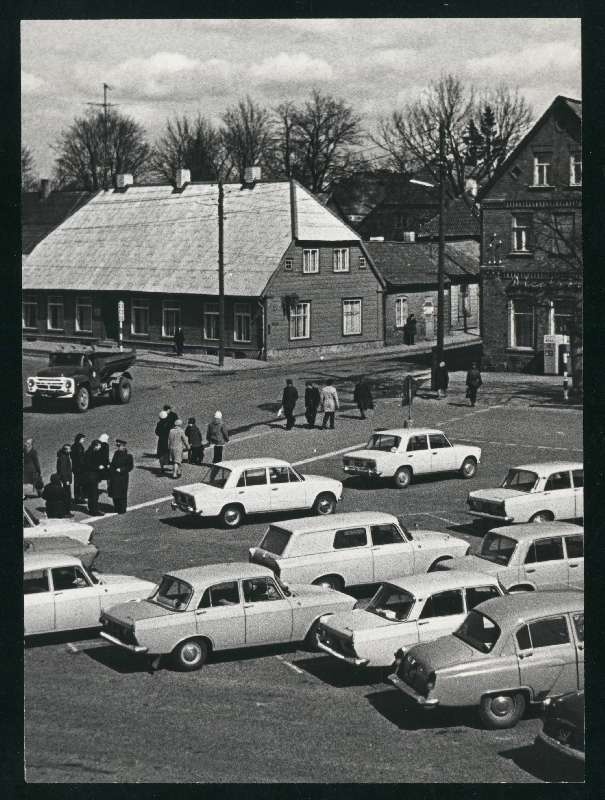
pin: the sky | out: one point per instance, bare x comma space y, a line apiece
160, 68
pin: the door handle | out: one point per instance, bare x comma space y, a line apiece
424, 622
533, 569
377, 548
241, 491
525, 655
58, 594
248, 605
410, 456
200, 611
275, 490
573, 566
433, 452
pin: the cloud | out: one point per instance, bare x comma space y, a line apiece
30, 83
291, 68
550, 58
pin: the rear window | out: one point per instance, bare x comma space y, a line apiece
275, 540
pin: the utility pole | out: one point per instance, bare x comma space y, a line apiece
438, 350
221, 278
104, 105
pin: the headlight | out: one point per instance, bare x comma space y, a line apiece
31, 384
70, 383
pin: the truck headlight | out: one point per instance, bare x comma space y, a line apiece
31, 384
70, 384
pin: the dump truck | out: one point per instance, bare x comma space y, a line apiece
80, 374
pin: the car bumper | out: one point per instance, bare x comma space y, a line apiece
411, 693
356, 662
133, 648
52, 394
184, 508
485, 515
370, 472
570, 756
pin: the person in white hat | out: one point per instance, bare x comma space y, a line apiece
162, 429
218, 436
104, 466
177, 443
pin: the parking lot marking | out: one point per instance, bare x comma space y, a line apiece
443, 519
519, 444
289, 664
328, 455
72, 648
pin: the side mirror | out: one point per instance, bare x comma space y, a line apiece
393, 449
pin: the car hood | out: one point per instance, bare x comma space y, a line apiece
59, 372
447, 651
473, 563
136, 610
130, 581
437, 539
373, 454
496, 494
348, 622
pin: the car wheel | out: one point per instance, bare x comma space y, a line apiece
331, 581
325, 504
543, 516
518, 589
82, 399
468, 468
502, 710
436, 566
232, 516
191, 655
123, 391
403, 477
312, 637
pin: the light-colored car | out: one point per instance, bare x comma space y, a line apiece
86, 553
61, 595
200, 610
402, 613
530, 557
351, 549
34, 526
533, 493
509, 652
403, 453
233, 489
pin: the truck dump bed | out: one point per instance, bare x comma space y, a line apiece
108, 361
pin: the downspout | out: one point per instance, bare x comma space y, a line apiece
263, 349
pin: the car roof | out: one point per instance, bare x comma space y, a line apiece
533, 530
544, 468
407, 431
220, 572
305, 524
442, 581
48, 561
250, 463
522, 606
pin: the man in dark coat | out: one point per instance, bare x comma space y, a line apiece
194, 437
172, 416
162, 429
411, 329
362, 395
54, 494
179, 341
442, 379
312, 399
473, 382
288, 401
94, 467
64, 471
32, 474
121, 465
77, 465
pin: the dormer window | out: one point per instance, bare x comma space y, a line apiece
575, 169
542, 167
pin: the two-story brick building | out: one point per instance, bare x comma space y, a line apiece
531, 220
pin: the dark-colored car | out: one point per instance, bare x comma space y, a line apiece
561, 740
62, 545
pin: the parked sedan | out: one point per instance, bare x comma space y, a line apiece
200, 610
35, 527
61, 595
86, 553
402, 613
232, 489
404, 453
533, 493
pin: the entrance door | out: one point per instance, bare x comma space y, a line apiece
268, 613
418, 455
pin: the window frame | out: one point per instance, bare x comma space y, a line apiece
55, 301
344, 531
83, 301
437, 436
533, 550
537, 622
363, 263
521, 223
352, 300
294, 315
310, 255
512, 313
394, 531
29, 302
209, 589
486, 587
170, 306
570, 537
288, 264
540, 164
244, 475
211, 315
400, 318
575, 158
139, 304
341, 254
239, 314
428, 604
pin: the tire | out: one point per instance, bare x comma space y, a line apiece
82, 400
333, 581
232, 516
311, 638
519, 589
402, 478
542, 516
191, 654
468, 468
435, 566
123, 391
502, 710
324, 504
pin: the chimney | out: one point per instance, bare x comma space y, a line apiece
470, 186
45, 188
124, 180
409, 236
252, 175
377, 238
183, 177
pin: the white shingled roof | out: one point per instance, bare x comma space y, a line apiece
153, 239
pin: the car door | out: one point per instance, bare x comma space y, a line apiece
574, 547
351, 556
220, 615
38, 603
559, 496
577, 627
418, 455
441, 614
545, 564
443, 455
77, 599
268, 614
286, 489
391, 553
547, 656
252, 490
578, 490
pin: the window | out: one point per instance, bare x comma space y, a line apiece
300, 321
171, 319
522, 324
575, 169
310, 261
278, 475
255, 477
139, 321
497, 548
578, 477
542, 164
438, 441
391, 603
362, 262
223, 594
578, 623
35, 582
354, 537
549, 632
523, 640
68, 578
521, 233
173, 593
384, 442
562, 317
574, 546
477, 594
83, 315
522, 480
29, 313
386, 534
351, 317
443, 604
211, 321
557, 481
340, 259
241, 322
417, 443
275, 540
401, 311
478, 631
516, 172
55, 313
288, 264
260, 590
464, 302
545, 550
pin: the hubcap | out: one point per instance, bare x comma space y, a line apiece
191, 653
232, 516
502, 706
469, 468
324, 506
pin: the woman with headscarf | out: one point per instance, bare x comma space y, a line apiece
177, 443
56, 502
162, 429
218, 436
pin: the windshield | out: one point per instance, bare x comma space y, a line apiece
404, 528
391, 603
214, 476
497, 548
478, 631
275, 540
29, 519
172, 593
520, 479
66, 360
383, 441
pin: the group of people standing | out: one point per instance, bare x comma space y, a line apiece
174, 441
324, 401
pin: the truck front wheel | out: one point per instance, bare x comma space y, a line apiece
123, 391
82, 399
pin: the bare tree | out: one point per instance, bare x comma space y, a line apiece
28, 169
195, 145
93, 147
247, 136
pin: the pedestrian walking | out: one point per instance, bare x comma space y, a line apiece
77, 465
442, 379
218, 436
65, 471
177, 444
473, 382
172, 416
32, 474
410, 327
312, 400
288, 402
104, 465
194, 437
329, 403
94, 467
362, 396
56, 501
162, 429
120, 468
179, 341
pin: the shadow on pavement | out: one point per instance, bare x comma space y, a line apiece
45, 639
118, 660
393, 707
543, 765
338, 673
